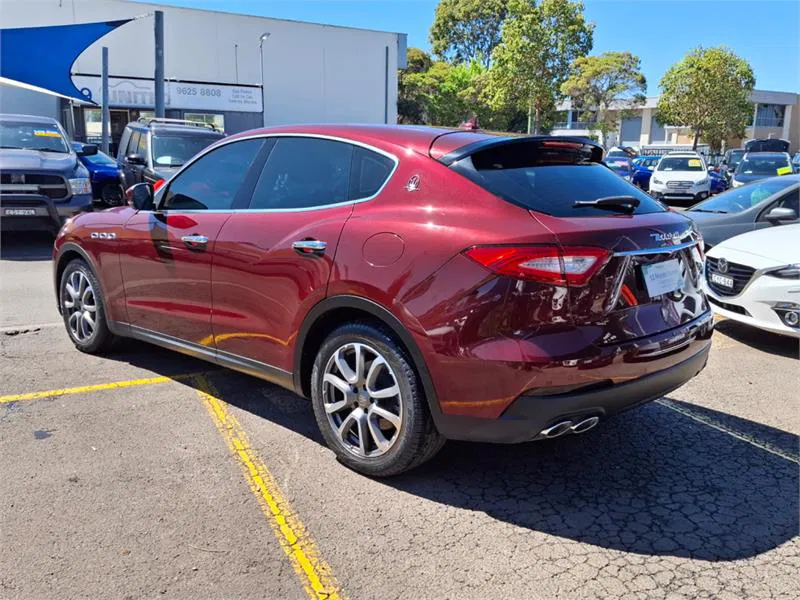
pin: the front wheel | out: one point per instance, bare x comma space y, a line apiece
111, 194
82, 308
369, 404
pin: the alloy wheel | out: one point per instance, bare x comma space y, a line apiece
80, 303
362, 400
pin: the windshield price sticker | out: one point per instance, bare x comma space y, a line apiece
662, 278
693, 162
784, 170
45, 133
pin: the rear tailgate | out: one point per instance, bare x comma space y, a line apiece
649, 281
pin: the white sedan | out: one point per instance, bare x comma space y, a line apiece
755, 278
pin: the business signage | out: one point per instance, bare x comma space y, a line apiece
140, 93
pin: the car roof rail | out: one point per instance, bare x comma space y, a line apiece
150, 120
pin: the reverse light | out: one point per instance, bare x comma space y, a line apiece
573, 265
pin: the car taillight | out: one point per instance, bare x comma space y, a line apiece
158, 184
574, 265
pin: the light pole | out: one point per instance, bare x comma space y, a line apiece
264, 37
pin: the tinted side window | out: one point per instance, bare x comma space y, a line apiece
142, 147
133, 144
791, 200
213, 181
304, 173
123, 144
369, 172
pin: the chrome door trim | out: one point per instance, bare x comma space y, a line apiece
321, 136
211, 354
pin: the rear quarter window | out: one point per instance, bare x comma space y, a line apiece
549, 183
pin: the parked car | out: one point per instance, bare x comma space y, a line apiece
621, 167
42, 182
766, 145
104, 175
343, 262
796, 162
718, 182
154, 149
760, 165
642, 170
730, 161
754, 278
680, 177
747, 208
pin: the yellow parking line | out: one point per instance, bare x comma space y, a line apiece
83, 389
311, 568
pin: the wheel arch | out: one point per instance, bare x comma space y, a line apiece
67, 253
328, 314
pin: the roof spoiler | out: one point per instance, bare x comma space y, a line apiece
591, 149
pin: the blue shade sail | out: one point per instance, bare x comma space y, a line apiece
43, 56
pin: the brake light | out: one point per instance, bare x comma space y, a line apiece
573, 265
560, 144
158, 184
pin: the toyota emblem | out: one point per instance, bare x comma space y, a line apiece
722, 265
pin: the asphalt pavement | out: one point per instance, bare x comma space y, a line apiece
145, 473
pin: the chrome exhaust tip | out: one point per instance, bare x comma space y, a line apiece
585, 425
556, 430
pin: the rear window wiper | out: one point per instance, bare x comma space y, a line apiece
624, 203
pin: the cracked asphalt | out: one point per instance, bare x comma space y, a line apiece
133, 492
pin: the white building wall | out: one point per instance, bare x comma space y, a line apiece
312, 73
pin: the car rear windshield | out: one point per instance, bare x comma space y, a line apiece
174, 149
735, 157
680, 163
763, 165
548, 182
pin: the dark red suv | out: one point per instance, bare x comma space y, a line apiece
417, 284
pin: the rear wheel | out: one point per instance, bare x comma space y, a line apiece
82, 308
369, 404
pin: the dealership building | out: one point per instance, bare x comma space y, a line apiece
235, 71
775, 115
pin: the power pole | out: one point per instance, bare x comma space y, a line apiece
106, 113
159, 72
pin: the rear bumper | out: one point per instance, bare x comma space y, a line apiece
621, 377
48, 215
528, 415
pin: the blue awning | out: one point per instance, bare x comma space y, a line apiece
43, 56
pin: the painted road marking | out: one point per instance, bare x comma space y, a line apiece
83, 389
311, 568
739, 436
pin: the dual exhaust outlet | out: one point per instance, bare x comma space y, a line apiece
563, 427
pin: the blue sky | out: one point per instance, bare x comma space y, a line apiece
765, 32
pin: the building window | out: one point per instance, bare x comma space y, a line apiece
217, 121
770, 115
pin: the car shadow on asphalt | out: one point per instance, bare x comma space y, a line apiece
26, 246
766, 341
671, 478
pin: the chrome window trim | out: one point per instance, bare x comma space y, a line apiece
662, 250
210, 149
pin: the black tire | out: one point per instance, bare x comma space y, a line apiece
417, 439
112, 194
101, 339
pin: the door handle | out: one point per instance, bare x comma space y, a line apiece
310, 246
195, 242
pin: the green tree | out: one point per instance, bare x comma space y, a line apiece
410, 101
467, 30
612, 80
448, 93
539, 42
709, 92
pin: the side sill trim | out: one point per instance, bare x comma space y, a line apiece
223, 359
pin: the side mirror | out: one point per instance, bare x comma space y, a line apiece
135, 159
140, 196
780, 213
87, 150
